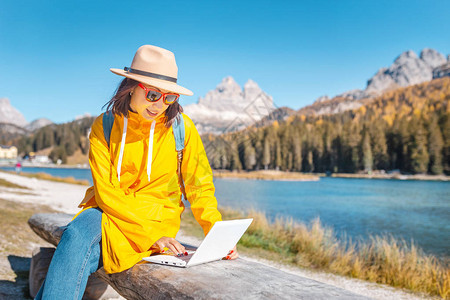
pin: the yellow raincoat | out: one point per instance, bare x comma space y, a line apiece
141, 208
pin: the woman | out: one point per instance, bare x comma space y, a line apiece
135, 205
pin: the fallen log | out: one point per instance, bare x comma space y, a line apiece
216, 280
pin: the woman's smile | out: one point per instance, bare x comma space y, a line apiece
151, 113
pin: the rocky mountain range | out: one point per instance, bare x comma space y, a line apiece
38, 123
229, 107
407, 69
13, 121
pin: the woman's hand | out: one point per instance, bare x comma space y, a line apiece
168, 242
233, 254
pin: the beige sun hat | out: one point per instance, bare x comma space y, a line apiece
154, 66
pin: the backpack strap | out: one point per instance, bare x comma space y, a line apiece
178, 132
108, 121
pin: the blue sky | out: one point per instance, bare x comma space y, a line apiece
55, 55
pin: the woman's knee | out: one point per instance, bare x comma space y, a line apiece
91, 216
85, 229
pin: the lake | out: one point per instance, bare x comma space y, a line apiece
408, 209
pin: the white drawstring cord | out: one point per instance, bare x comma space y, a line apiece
122, 146
150, 150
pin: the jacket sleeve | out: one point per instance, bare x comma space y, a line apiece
198, 179
119, 207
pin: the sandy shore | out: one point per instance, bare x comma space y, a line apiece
65, 198
60, 196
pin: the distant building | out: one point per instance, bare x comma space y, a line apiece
8, 152
41, 159
442, 70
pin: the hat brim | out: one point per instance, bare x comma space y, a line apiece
162, 84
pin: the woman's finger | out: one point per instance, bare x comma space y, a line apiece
234, 255
172, 249
179, 248
171, 243
160, 244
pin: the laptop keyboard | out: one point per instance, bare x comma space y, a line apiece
186, 258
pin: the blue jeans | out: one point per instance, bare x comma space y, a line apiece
77, 256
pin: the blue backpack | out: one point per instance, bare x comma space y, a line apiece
178, 132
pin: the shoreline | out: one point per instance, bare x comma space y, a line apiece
47, 166
297, 176
272, 175
396, 176
266, 175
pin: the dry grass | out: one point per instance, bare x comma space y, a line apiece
5, 183
266, 175
382, 259
17, 241
46, 176
78, 157
16, 237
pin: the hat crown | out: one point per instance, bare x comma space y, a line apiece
154, 66
154, 59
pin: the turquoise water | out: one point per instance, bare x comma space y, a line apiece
418, 210
81, 174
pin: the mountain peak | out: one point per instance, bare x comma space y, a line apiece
4, 101
406, 55
407, 69
228, 105
250, 83
228, 84
251, 90
38, 123
432, 58
9, 114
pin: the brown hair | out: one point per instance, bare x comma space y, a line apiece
120, 102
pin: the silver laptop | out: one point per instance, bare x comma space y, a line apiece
222, 237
